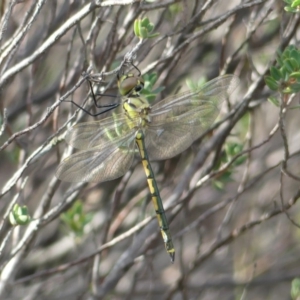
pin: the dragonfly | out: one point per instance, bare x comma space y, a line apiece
157, 132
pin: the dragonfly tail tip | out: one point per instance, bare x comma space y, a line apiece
172, 255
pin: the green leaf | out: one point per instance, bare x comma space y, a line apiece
151, 36
150, 27
191, 84
279, 58
295, 87
295, 107
19, 215
158, 90
143, 33
150, 97
295, 64
295, 4
271, 83
136, 27
285, 73
295, 54
295, 289
275, 73
289, 9
295, 75
284, 55
153, 78
218, 185
233, 148
239, 161
288, 65
274, 101
145, 22
149, 82
287, 90
175, 8
75, 218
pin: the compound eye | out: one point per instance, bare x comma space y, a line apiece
126, 85
139, 87
130, 83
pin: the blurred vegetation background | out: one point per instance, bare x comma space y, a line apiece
231, 198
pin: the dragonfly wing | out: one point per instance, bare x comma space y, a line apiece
216, 91
177, 121
169, 139
98, 133
99, 163
166, 142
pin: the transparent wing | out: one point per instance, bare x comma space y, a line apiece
177, 121
170, 139
98, 134
103, 163
215, 91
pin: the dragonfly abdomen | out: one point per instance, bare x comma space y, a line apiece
155, 196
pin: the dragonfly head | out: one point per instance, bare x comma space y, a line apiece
129, 84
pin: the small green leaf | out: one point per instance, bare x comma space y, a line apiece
153, 78
274, 101
153, 35
279, 58
150, 97
287, 90
295, 75
149, 82
295, 289
275, 73
191, 84
175, 8
136, 27
158, 89
233, 148
271, 83
295, 87
150, 27
145, 22
288, 65
295, 4
75, 218
285, 73
226, 177
19, 215
289, 9
143, 33
239, 161
294, 63
295, 55
284, 55
218, 185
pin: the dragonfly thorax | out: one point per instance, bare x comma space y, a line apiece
137, 109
